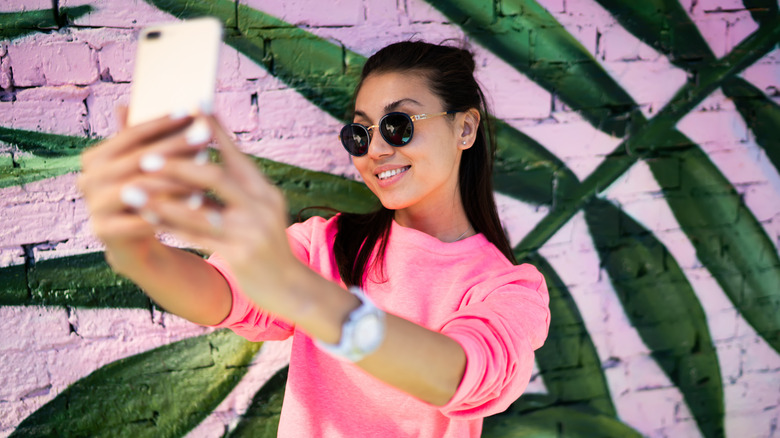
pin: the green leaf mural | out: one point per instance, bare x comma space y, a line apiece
535, 416
261, 420
661, 305
760, 114
164, 392
568, 360
18, 24
43, 156
728, 239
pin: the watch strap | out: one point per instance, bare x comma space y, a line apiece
347, 348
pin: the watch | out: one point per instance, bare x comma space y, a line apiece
362, 332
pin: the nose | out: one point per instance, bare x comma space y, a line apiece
377, 146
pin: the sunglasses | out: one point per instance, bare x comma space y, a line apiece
396, 128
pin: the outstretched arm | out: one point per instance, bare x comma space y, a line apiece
117, 191
248, 230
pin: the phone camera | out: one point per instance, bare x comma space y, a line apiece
153, 35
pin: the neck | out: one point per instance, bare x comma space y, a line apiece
447, 226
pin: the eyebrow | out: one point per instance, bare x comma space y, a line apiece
391, 106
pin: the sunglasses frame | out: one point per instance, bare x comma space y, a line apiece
370, 136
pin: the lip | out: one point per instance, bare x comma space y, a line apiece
393, 179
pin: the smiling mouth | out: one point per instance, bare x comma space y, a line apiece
391, 173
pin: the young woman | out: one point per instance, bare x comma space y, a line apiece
409, 321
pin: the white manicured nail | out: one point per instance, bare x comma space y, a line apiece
133, 196
152, 162
179, 113
202, 157
195, 201
198, 133
151, 217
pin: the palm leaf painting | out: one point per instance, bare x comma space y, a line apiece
658, 300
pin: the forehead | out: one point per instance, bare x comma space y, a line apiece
382, 89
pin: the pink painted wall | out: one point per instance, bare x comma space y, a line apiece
68, 82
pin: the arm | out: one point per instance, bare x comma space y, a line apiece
177, 280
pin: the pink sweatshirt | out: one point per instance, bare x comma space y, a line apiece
466, 290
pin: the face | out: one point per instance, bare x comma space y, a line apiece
422, 175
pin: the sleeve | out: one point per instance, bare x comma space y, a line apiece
246, 319
499, 334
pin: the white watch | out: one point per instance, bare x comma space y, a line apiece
362, 332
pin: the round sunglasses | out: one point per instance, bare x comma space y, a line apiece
396, 128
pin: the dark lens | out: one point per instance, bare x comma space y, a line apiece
396, 129
355, 139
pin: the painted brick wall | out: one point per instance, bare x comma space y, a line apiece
68, 79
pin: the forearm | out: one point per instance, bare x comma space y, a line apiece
423, 363
179, 281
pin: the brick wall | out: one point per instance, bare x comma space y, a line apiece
67, 79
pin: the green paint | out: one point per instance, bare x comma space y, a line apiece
707, 207
525, 170
763, 11
728, 239
43, 156
304, 188
529, 38
261, 420
662, 306
665, 26
568, 361
536, 418
17, 24
163, 392
77, 281
761, 115
326, 74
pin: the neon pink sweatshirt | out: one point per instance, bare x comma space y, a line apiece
466, 290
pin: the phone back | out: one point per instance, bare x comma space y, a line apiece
175, 69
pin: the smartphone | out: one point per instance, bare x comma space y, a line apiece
175, 69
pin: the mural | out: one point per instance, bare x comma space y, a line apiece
637, 168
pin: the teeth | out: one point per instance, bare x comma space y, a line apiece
388, 173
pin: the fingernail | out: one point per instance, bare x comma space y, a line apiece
195, 201
133, 196
152, 162
150, 216
179, 113
202, 157
198, 133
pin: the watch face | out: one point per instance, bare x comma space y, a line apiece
368, 332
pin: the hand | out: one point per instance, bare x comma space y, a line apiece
115, 187
247, 227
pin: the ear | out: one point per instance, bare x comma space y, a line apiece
469, 126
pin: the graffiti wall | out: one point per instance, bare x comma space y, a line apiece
637, 168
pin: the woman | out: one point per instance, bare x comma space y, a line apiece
440, 326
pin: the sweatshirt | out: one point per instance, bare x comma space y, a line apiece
467, 290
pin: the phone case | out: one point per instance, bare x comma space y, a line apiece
175, 69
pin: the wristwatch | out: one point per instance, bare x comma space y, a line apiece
362, 332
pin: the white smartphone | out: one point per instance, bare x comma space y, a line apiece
175, 69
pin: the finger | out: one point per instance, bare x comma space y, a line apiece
121, 116
122, 227
206, 177
176, 216
133, 138
151, 158
136, 193
239, 164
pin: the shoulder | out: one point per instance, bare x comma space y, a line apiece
313, 228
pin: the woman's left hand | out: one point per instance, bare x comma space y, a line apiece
247, 228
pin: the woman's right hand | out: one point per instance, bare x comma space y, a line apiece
118, 178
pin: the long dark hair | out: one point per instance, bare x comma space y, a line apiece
450, 74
